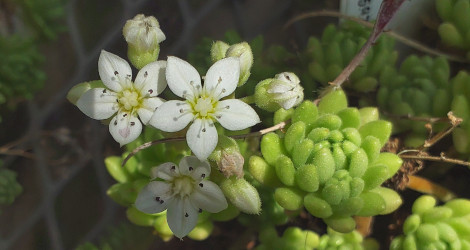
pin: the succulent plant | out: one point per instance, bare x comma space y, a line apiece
329, 162
353, 240
436, 227
338, 46
461, 108
455, 29
293, 238
420, 88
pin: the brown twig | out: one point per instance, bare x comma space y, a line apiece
441, 158
165, 140
426, 186
407, 41
416, 118
454, 122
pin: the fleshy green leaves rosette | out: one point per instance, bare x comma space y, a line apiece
420, 88
455, 29
329, 162
436, 227
339, 45
461, 108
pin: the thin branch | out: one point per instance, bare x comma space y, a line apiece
17, 152
441, 158
407, 41
426, 186
417, 118
165, 140
454, 122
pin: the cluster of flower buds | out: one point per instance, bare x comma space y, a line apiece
420, 88
436, 227
329, 162
455, 30
221, 50
337, 48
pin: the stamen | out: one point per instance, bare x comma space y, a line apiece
173, 167
201, 185
115, 123
116, 73
124, 115
186, 215
157, 198
204, 130
150, 90
203, 175
161, 201
200, 210
220, 80
224, 90
104, 91
132, 123
146, 74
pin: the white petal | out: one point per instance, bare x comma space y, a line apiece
151, 79
279, 87
181, 217
202, 138
288, 103
191, 165
125, 128
234, 114
114, 71
98, 103
154, 198
148, 108
166, 171
182, 78
168, 117
209, 197
160, 35
222, 77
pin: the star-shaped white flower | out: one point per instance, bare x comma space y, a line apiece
122, 96
184, 192
203, 105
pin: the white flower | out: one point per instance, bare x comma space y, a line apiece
184, 192
143, 32
129, 100
285, 90
203, 105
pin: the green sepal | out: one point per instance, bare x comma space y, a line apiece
140, 58
242, 195
161, 226
115, 169
78, 90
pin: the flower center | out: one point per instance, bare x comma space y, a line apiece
129, 100
204, 107
183, 185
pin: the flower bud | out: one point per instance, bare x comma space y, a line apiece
218, 50
242, 195
284, 91
143, 35
78, 90
242, 51
228, 157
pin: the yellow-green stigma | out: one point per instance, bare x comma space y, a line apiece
204, 107
183, 185
129, 100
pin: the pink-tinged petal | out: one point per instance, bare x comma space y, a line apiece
191, 165
183, 79
222, 77
209, 197
148, 108
114, 71
172, 116
202, 138
154, 198
125, 128
166, 171
151, 79
234, 114
98, 103
181, 217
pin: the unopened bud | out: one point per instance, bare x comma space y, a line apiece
284, 91
143, 35
242, 51
242, 195
218, 50
228, 157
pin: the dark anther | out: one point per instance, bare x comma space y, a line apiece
200, 210
224, 90
173, 167
117, 100
116, 73
104, 91
203, 175
191, 168
150, 91
115, 123
186, 215
157, 198
204, 130
146, 74
181, 110
201, 185
161, 201
227, 107
220, 79
287, 77
129, 76
132, 123
124, 115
